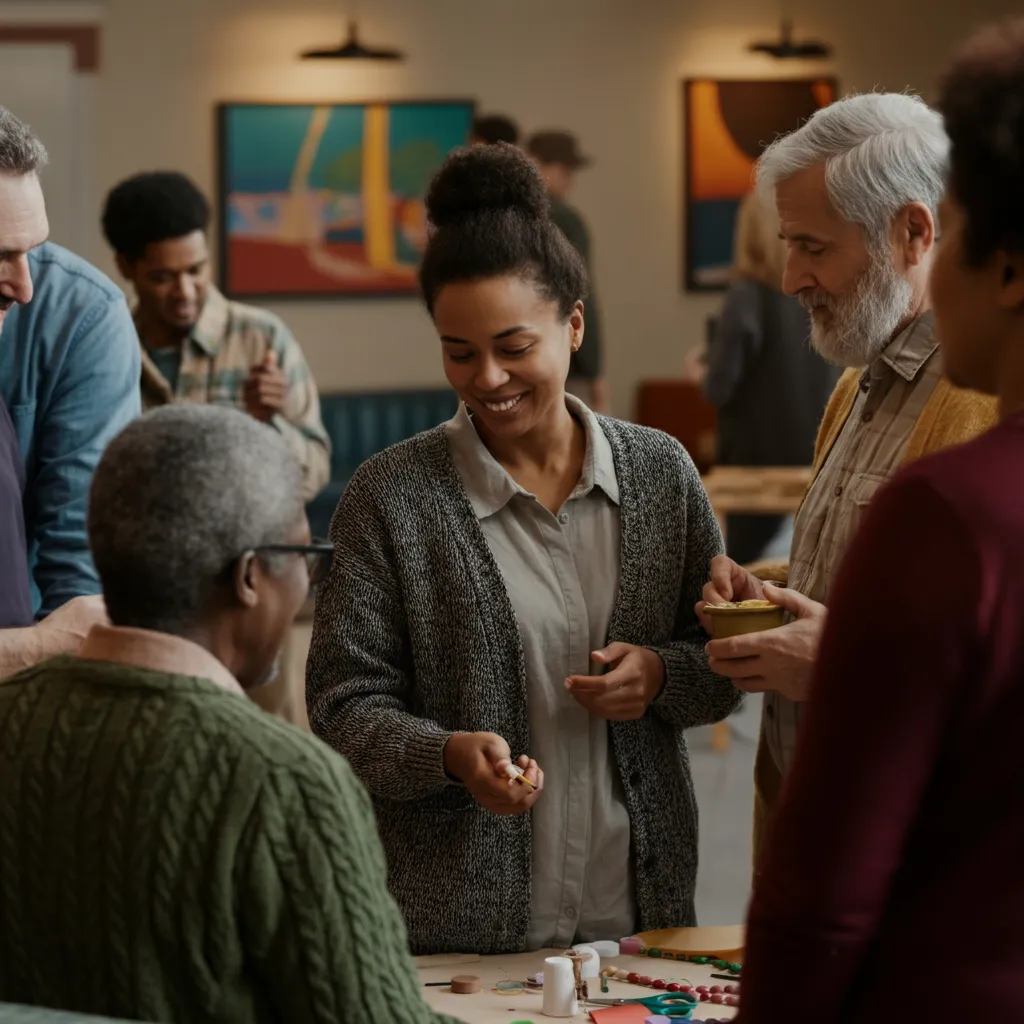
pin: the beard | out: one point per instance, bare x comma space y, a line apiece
863, 321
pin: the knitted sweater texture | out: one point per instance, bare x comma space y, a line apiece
168, 852
415, 638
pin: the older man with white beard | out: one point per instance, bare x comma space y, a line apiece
857, 190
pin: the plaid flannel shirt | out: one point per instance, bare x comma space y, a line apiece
229, 339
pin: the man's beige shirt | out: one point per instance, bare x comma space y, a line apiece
869, 449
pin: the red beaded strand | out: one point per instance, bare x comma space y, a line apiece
719, 995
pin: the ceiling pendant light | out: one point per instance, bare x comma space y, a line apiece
353, 49
784, 48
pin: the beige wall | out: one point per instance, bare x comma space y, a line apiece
609, 69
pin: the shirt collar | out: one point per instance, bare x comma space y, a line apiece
212, 325
490, 487
158, 652
907, 353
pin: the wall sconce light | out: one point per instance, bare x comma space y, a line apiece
353, 49
784, 48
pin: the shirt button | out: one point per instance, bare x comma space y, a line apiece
570, 911
564, 518
867, 417
839, 491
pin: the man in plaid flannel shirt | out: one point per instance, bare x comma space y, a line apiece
198, 346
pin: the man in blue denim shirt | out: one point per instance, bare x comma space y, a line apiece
69, 375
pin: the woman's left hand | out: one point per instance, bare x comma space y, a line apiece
623, 693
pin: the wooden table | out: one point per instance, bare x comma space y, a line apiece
756, 490
490, 1007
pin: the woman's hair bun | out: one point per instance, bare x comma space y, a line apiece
486, 177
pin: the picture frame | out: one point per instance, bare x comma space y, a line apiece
726, 125
326, 199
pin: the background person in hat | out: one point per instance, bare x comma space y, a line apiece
558, 156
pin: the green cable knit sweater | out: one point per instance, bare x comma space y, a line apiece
168, 852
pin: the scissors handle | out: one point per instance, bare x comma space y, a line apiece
671, 1004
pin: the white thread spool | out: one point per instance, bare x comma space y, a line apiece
591, 967
559, 988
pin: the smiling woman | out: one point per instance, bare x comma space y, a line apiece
516, 586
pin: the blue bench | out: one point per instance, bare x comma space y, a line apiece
362, 423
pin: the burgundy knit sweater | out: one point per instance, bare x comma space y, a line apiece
893, 885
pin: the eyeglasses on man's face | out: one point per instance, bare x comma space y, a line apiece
318, 555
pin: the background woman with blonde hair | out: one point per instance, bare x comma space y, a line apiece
770, 387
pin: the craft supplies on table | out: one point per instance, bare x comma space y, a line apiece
674, 1005
559, 988
591, 967
723, 942
625, 1014
522, 1002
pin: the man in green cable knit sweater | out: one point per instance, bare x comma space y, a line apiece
168, 851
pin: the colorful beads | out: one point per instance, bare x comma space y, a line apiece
644, 980
732, 1001
654, 954
717, 998
622, 975
658, 983
699, 959
735, 968
633, 978
715, 990
732, 989
672, 987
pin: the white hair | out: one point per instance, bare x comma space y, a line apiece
180, 494
881, 151
21, 152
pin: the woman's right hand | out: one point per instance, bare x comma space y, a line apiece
479, 761
729, 582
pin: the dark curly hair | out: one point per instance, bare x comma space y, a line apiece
153, 207
494, 128
982, 101
490, 215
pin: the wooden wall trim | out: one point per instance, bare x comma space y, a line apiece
84, 39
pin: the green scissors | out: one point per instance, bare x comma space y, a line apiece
679, 1005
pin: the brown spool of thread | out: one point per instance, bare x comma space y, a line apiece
465, 984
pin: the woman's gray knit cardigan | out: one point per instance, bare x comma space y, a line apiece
415, 638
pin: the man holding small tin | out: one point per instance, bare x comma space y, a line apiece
857, 190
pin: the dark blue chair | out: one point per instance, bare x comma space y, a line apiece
362, 423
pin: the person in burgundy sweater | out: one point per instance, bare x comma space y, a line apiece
892, 887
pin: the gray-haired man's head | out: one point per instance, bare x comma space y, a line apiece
857, 190
23, 224
180, 502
